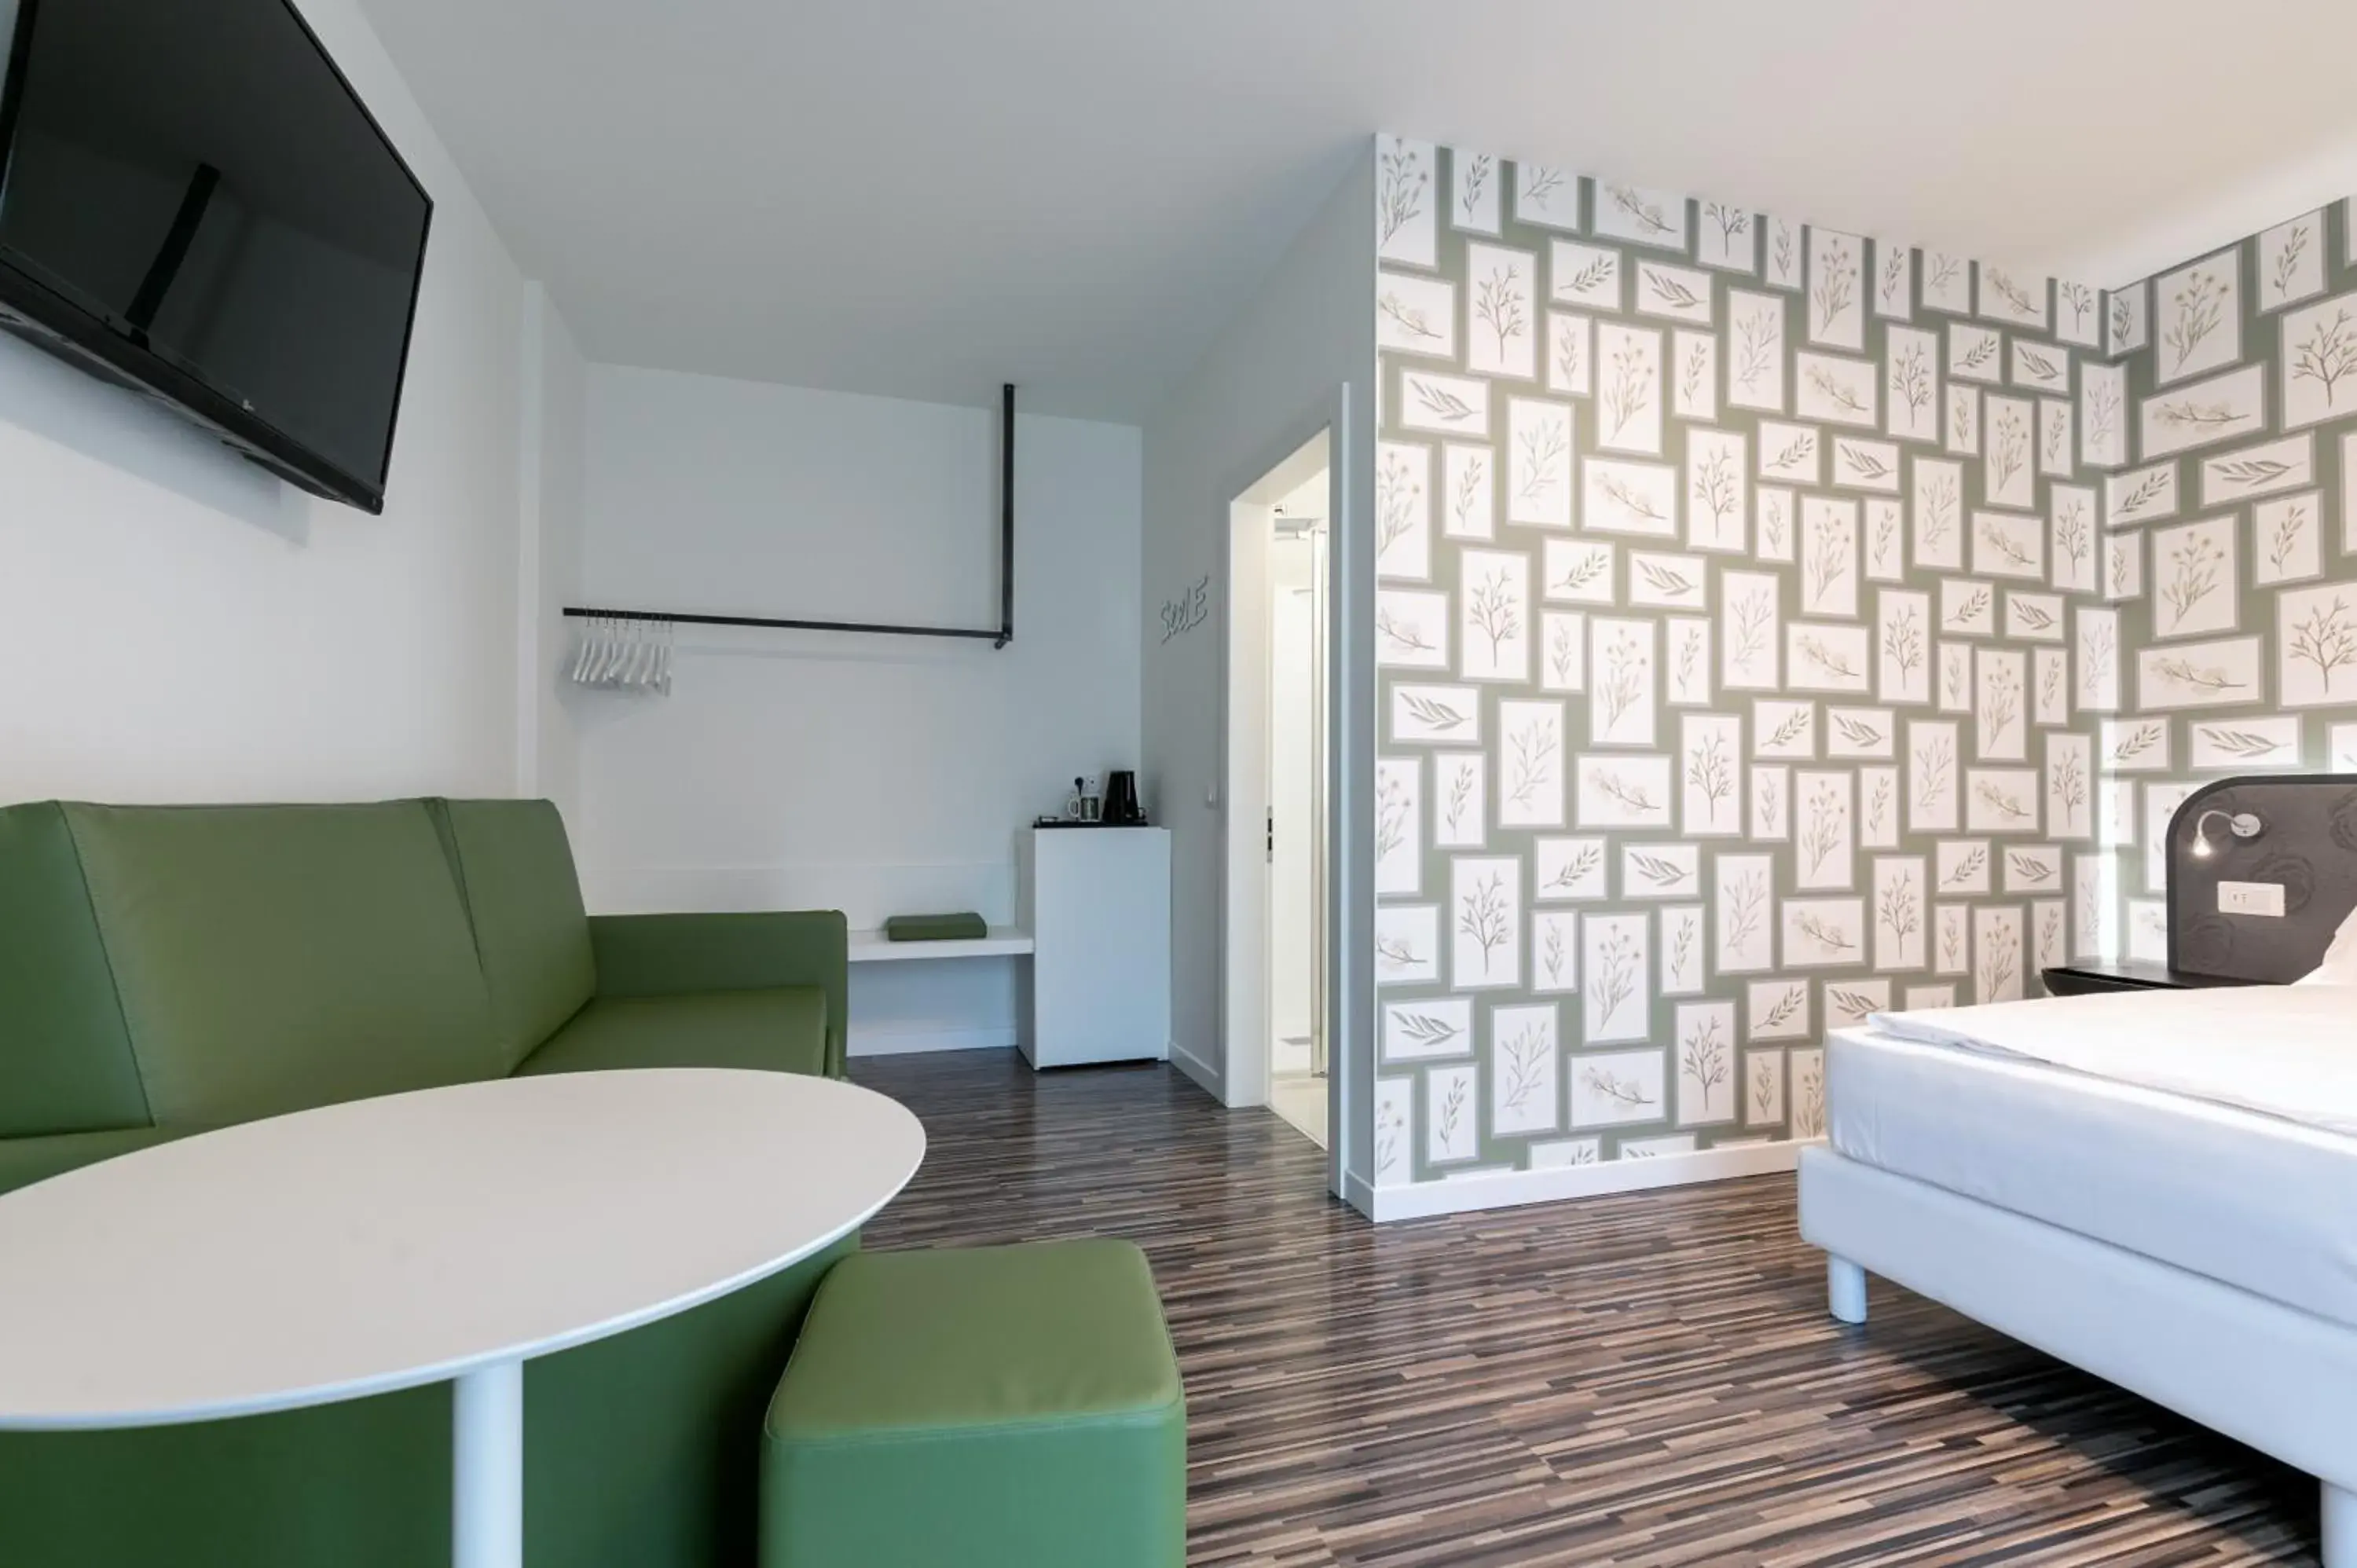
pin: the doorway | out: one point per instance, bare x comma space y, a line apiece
1297, 810
1278, 942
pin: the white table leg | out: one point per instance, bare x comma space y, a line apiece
486, 1468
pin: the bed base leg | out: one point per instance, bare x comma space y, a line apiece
1846, 1292
2339, 1526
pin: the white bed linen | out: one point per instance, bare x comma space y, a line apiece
2281, 1050
2340, 965
2250, 1200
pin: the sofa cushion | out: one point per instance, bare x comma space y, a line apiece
273, 958
782, 1030
65, 1055
671, 955
515, 871
999, 1407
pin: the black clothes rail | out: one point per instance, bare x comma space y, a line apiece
997, 636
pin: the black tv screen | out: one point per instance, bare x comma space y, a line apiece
195, 200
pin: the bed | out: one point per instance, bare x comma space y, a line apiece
2157, 1187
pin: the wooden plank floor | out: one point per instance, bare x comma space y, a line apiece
1640, 1380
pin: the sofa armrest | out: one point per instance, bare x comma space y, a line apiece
668, 955
24, 1160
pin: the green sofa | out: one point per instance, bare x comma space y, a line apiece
164, 970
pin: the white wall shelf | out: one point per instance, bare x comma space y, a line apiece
874, 947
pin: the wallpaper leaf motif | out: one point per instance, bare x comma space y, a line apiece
1842, 624
2198, 308
1404, 178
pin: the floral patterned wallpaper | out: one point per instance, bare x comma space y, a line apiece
1742, 652
2228, 538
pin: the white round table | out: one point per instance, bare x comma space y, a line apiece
446, 1234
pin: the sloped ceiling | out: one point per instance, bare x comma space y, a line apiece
925, 198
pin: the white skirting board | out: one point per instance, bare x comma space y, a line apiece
915, 1042
1506, 1190
1359, 1194
1206, 1075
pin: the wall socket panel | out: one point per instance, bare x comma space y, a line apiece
2251, 898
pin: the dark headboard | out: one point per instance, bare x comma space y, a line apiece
2309, 843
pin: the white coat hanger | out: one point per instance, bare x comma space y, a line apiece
609, 648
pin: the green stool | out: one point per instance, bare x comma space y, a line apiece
997, 1407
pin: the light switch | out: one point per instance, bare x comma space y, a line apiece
2251, 898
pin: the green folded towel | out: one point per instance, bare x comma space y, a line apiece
935, 928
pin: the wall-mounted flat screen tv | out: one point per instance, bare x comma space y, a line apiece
194, 201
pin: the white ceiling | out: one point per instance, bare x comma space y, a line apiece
925, 198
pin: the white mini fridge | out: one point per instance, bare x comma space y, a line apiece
1097, 903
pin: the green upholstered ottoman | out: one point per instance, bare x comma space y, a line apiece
997, 1407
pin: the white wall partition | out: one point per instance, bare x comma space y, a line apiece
877, 775
1282, 367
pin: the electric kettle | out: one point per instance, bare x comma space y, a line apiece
1121, 803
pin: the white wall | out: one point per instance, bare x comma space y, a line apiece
1261, 388
874, 775
548, 577
183, 627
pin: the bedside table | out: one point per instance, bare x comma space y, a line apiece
2126, 974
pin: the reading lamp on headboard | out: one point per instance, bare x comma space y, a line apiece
2241, 824
2240, 844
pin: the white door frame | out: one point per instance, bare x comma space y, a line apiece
1319, 437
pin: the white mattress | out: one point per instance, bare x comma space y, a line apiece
2249, 1199
2289, 1051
